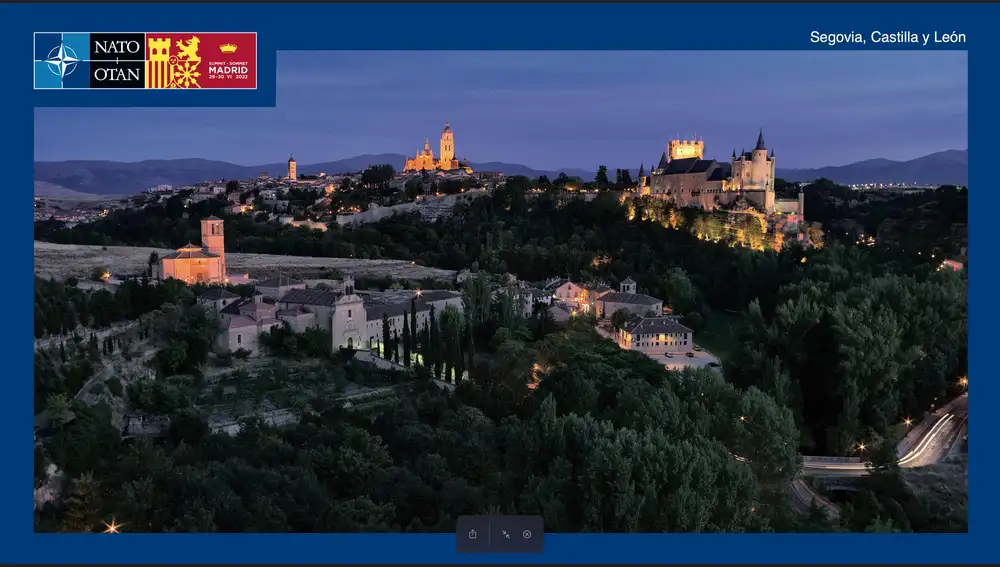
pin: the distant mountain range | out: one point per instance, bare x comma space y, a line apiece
949, 167
119, 178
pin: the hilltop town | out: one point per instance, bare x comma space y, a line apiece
374, 329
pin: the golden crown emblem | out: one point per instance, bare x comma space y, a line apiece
227, 48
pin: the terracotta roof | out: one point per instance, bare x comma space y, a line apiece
190, 251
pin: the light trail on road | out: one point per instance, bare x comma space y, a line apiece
907, 460
926, 441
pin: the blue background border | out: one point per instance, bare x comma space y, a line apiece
476, 26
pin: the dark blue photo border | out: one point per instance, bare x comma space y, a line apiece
476, 27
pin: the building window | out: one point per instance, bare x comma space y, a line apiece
239, 339
348, 313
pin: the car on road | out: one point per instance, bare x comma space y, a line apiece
668, 355
697, 348
714, 365
690, 354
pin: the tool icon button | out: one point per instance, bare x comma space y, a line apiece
472, 534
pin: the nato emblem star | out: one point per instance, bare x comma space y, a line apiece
62, 60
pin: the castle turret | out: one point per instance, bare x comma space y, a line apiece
643, 186
292, 173
663, 161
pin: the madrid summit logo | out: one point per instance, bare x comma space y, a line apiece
211, 60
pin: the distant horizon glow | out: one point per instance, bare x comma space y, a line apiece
553, 110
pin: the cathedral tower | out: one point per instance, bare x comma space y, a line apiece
213, 240
447, 145
292, 174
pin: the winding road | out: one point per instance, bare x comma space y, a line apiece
928, 443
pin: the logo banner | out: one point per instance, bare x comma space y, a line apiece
193, 60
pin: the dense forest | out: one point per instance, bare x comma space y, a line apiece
827, 346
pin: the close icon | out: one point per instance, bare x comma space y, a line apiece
526, 534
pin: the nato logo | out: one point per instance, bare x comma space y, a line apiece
62, 60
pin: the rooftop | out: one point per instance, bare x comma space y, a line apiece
279, 281
655, 326
217, 293
311, 297
630, 298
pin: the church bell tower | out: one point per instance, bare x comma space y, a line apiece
213, 240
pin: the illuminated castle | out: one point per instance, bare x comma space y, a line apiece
424, 160
685, 177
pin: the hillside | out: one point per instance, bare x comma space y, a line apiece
949, 167
53, 191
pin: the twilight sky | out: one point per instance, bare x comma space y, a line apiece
550, 109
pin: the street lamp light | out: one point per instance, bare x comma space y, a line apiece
908, 421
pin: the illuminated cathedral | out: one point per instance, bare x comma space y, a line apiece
425, 161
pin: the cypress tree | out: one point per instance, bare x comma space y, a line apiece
413, 323
424, 333
385, 336
395, 346
434, 345
407, 341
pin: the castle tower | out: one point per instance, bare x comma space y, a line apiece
212, 238
292, 173
683, 149
760, 152
447, 145
158, 64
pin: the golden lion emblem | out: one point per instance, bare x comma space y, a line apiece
189, 50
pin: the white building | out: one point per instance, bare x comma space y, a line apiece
655, 336
629, 300
352, 319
